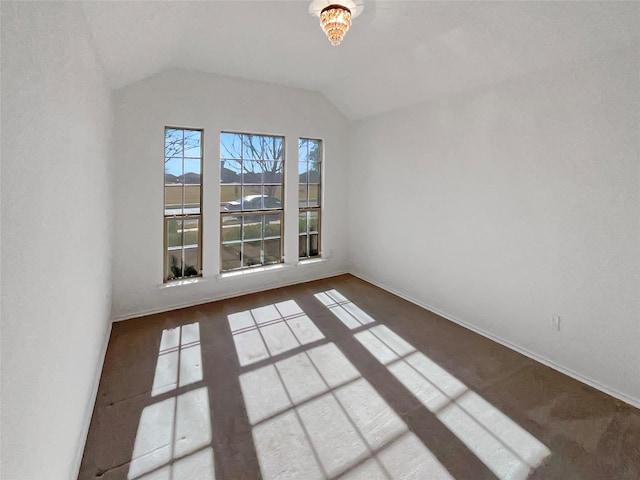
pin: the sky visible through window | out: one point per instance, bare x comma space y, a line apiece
175, 145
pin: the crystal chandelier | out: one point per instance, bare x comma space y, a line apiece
336, 16
335, 20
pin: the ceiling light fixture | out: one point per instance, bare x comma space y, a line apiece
335, 21
336, 16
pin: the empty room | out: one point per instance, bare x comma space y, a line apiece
320, 240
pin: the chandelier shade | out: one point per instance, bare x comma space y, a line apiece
336, 16
335, 20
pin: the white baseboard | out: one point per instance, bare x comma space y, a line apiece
94, 395
215, 298
635, 402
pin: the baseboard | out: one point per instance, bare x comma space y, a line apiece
527, 353
248, 291
94, 395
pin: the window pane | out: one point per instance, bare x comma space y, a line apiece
174, 233
251, 256
272, 225
190, 232
192, 141
252, 201
314, 195
302, 149
302, 223
313, 221
174, 264
230, 198
231, 256
230, 171
302, 246
314, 150
230, 228
191, 199
191, 262
272, 197
314, 171
274, 151
252, 147
272, 251
252, 172
252, 227
192, 170
173, 142
302, 195
272, 172
249, 190
173, 200
309, 236
313, 245
231, 145
173, 170
303, 167
252, 198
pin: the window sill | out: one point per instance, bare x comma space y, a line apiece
242, 273
251, 271
182, 283
310, 261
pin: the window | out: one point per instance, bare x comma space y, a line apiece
310, 164
251, 200
182, 203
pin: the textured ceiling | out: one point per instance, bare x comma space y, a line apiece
396, 53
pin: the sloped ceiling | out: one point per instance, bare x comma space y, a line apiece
396, 53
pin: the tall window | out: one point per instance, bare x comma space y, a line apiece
251, 200
310, 164
182, 203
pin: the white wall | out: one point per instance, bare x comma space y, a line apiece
504, 206
214, 103
56, 237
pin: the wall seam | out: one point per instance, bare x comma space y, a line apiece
77, 463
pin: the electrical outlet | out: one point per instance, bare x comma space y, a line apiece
555, 322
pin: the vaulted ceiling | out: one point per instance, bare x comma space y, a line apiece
396, 53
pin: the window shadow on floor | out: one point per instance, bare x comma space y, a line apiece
329, 379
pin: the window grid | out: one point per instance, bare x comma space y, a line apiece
251, 200
182, 203
309, 201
